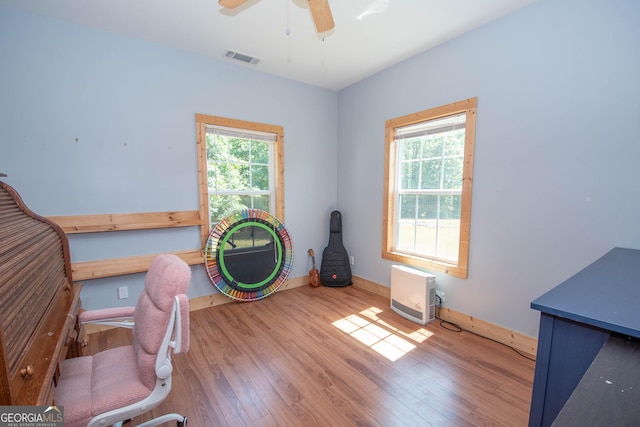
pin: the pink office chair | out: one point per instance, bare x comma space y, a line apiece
120, 383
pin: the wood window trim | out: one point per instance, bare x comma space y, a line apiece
202, 120
459, 269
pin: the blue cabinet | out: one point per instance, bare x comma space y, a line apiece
576, 319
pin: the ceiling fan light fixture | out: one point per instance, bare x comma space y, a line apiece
247, 59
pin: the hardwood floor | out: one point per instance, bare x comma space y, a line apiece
339, 357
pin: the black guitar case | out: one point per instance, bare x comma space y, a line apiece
335, 269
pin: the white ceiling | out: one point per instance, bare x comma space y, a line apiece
369, 35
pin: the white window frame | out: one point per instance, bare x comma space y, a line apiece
204, 122
459, 267
266, 137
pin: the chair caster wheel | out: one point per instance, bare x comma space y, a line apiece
182, 423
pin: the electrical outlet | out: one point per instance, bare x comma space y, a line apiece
123, 292
352, 260
441, 295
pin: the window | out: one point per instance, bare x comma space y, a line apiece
240, 166
429, 174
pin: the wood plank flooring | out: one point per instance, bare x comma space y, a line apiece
339, 357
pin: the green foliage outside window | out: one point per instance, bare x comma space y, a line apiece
237, 175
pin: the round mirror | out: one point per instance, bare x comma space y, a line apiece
248, 255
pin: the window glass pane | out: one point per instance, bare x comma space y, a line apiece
426, 237
454, 143
410, 175
217, 208
426, 225
211, 177
452, 177
241, 173
427, 207
261, 202
431, 174
450, 207
449, 227
221, 206
414, 230
432, 146
406, 235
448, 236
260, 152
244, 203
236, 164
239, 149
217, 166
260, 177
408, 206
429, 224
448, 239
410, 149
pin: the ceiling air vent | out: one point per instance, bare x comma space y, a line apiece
241, 57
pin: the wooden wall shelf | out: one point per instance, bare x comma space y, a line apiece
126, 222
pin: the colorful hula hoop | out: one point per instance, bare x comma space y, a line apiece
220, 240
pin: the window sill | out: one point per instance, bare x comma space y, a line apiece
427, 264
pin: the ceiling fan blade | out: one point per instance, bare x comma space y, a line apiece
321, 15
230, 4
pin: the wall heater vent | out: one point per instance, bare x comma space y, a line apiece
413, 294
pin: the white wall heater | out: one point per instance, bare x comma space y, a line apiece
413, 294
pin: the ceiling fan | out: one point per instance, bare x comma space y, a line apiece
319, 10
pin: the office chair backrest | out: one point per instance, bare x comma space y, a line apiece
166, 284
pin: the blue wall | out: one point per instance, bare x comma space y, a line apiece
94, 122
557, 147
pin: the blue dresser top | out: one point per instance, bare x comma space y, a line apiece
606, 294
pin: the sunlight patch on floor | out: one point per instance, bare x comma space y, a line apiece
379, 335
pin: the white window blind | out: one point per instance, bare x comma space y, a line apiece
242, 133
431, 127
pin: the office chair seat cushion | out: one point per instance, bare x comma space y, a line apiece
74, 391
114, 383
